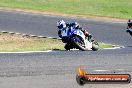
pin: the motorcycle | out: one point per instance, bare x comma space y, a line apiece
75, 38
129, 30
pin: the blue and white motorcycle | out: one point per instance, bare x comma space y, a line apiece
129, 30
75, 39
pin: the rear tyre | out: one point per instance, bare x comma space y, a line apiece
67, 47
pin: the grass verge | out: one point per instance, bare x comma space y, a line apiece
108, 8
16, 43
13, 43
105, 45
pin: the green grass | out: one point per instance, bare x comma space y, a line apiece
15, 43
105, 45
109, 8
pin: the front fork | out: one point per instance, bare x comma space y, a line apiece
88, 44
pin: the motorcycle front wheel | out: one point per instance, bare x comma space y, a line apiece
78, 42
95, 45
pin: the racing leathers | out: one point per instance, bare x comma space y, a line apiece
129, 27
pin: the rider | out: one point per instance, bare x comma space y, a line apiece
71, 25
129, 23
61, 25
129, 27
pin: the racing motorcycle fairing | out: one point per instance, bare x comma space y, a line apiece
78, 32
75, 38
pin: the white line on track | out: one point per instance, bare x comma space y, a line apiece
115, 47
27, 52
24, 52
112, 48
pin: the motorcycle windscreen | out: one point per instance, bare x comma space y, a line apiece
88, 44
80, 33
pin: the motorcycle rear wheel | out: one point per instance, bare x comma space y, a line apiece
67, 46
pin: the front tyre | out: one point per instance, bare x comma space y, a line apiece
95, 46
78, 42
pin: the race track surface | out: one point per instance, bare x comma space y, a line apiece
57, 69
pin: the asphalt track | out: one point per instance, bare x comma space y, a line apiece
57, 69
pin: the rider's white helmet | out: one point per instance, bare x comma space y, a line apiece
61, 24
